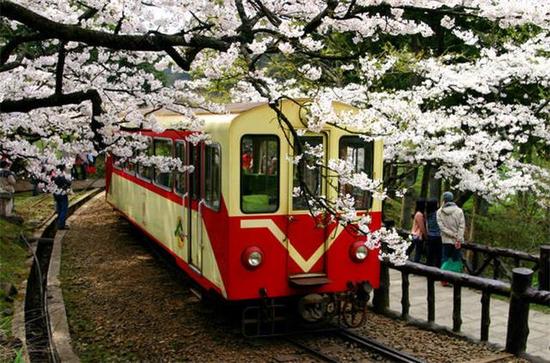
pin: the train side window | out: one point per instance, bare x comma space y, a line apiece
195, 177
360, 153
129, 166
163, 147
259, 173
146, 172
117, 164
311, 174
212, 176
180, 179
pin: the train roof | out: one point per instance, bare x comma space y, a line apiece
171, 119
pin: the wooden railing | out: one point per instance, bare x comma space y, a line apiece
520, 293
483, 257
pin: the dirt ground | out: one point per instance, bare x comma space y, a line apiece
124, 304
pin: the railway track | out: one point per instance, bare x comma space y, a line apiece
362, 342
375, 346
312, 351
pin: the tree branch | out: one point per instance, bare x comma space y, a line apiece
16, 41
59, 69
154, 41
29, 104
315, 22
55, 100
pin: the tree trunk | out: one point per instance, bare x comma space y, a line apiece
483, 208
471, 231
446, 186
426, 175
407, 209
435, 185
463, 198
409, 199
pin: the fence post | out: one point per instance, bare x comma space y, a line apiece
518, 315
457, 307
381, 298
405, 304
431, 300
475, 263
485, 315
544, 268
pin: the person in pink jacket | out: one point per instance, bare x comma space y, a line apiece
419, 229
450, 219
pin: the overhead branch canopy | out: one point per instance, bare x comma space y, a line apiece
462, 86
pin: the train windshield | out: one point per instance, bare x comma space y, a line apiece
259, 173
360, 153
308, 171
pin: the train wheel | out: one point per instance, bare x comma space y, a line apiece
312, 308
354, 312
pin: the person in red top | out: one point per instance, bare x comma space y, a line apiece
419, 229
247, 161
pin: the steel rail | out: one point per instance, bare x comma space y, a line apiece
315, 352
373, 345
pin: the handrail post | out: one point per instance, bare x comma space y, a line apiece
544, 268
381, 298
457, 307
518, 315
485, 315
405, 303
496, 266
431, 299
475, 262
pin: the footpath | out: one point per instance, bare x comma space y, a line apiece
538, 342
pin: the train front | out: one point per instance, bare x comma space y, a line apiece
288, 257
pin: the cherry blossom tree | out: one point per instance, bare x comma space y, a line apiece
460, 84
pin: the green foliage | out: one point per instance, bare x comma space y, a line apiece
13, 252
19, 357
509, 225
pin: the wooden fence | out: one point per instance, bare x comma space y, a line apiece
520, 293
483, 257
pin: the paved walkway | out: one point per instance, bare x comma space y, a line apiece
538, 342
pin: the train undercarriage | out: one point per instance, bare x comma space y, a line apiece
271, 317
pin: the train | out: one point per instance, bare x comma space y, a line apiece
233, 223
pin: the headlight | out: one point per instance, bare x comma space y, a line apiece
252, 257
255, 259
359, 251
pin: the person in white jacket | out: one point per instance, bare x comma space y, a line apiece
450, 219
7, 188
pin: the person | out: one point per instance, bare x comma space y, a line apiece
61, 196
7, 188
433, 240
84, 165
247, 161
450, 219
419, 229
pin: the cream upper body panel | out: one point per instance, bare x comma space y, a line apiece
259, 119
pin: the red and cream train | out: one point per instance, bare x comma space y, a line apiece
233, 224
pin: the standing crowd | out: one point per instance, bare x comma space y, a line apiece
61, 190
438, 233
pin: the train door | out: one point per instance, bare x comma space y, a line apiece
195, 205
307, 235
